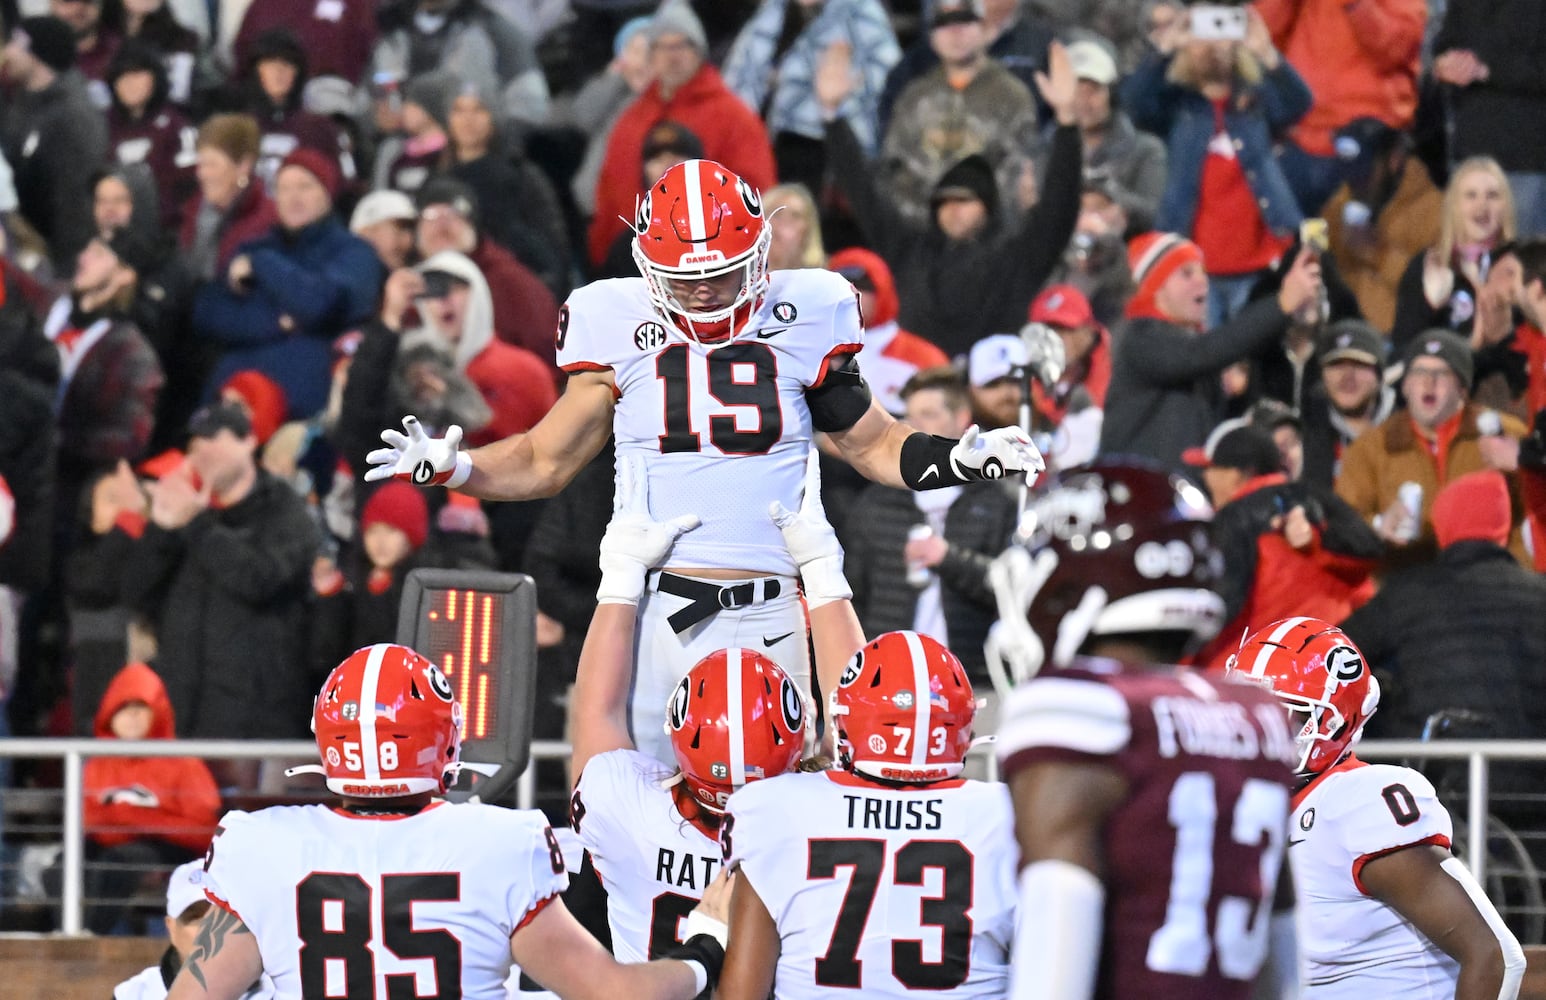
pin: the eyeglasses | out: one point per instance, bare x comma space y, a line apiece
1428, 374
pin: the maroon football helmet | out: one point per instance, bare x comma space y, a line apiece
1111, 548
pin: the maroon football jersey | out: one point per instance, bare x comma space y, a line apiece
1193, 853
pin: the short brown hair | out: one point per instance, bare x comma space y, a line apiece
944, 378
236, 136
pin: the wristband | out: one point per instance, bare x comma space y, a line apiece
700, 975
460, 472
704, 955
699, 922
925, 462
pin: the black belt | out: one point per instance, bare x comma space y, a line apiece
708, 598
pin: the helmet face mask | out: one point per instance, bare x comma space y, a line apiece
388, 724
700, 222
903, 710
735, 717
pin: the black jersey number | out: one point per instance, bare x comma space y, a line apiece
1401, 803
739, 375
342, 933
666, 916
950, 911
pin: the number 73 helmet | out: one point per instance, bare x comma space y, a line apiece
903, 710
1320, 677
387, 724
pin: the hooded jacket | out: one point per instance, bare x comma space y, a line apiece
127, 798
160, 137
891, 355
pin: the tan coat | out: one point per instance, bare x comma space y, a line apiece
1407, 225
1382, 458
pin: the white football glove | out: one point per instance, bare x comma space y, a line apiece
419, 459
995, 454
635, 543
810, 539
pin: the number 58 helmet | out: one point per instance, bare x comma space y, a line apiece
387, 724
1321, 677
700, 221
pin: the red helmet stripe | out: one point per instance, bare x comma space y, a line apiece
1264, 655
735, 715
369, 754
920, 699
693, 176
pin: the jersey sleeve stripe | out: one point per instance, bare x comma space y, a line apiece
1437, 839
227, 907
575, 367
537, 908
1083, 716
826, 362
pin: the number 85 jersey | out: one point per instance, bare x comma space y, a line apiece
726, 428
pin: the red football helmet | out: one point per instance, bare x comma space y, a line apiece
736, 717
387, 724
701, 222
1111, 548
1315, 670
903, 710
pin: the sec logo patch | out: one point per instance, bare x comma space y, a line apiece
649, 336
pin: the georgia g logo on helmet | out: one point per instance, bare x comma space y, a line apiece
641, 218
851, 671
749, 197
793, 705
676, 711
439, 683
1344, 664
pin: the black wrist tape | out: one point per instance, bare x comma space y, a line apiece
925, 462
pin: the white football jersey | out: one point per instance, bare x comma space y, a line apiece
725, 429
881, 890
357, 906
654, 864
1352, 944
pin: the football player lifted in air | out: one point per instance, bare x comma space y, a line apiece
1385, 909
1151, 804
395, 892
721, 374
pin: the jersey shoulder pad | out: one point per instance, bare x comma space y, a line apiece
1381, 807
597, 324
1082, 715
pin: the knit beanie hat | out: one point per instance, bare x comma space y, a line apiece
264, 398
324, 168
434, 92
1474, 506
1153, 258
50, 41
400, 506
676, 17
1448, 348
972, 176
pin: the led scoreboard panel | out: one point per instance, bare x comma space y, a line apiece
480, 629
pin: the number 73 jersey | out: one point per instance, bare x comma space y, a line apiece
363, 907
879, 890
725, 428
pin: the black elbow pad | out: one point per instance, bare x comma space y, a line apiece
842, 397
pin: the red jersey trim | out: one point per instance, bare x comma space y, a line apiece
541, 905
217, 901
1438, 839
1348, 763
574, 367
387, 817
826, 362
854, 780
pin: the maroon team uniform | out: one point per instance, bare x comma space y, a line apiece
1192, 854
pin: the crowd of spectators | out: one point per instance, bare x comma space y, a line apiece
1297, 256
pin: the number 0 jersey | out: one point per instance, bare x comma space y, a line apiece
1353, 945
726, 429
1192, 856
654, 864
356, 906
880, 889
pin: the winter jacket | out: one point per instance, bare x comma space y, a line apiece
1165, 396
337, 36
165, 141
129, 798
228, 593
1184, 118
1265, 579
525, 312
1407, 224
890, 355
54, 140
1384, 457
1414, 314
730, 131
781, 85
1501, 116
1327, 436
1132, 167
518, 207
29, 382
1020, 48
957, 292
307, 287
1360, 60
247, 218
977, 527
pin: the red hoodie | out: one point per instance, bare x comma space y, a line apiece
169, 798
891, 355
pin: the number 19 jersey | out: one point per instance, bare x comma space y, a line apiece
725, 428
883, 890
353, 906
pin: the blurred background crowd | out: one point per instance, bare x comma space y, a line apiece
240, 237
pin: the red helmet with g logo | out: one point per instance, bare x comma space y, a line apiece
903, 710
387, 724
736, 717
1321, 677
702, 222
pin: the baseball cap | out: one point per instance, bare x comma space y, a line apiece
454, 194
671, 137
210, 420
1352, 340
49, 39
382, 206
1448, 348
184, 888
1091, 61
955, 12
1236, 444
1062, 306
995, 357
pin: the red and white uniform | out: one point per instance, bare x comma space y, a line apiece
1352, 944
653, 863
888, 891
725, 430
1192, 855
357, 906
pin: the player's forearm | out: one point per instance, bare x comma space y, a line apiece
601, 685
511, 469
837, 635
878, 457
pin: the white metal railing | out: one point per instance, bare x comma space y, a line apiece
73, 753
